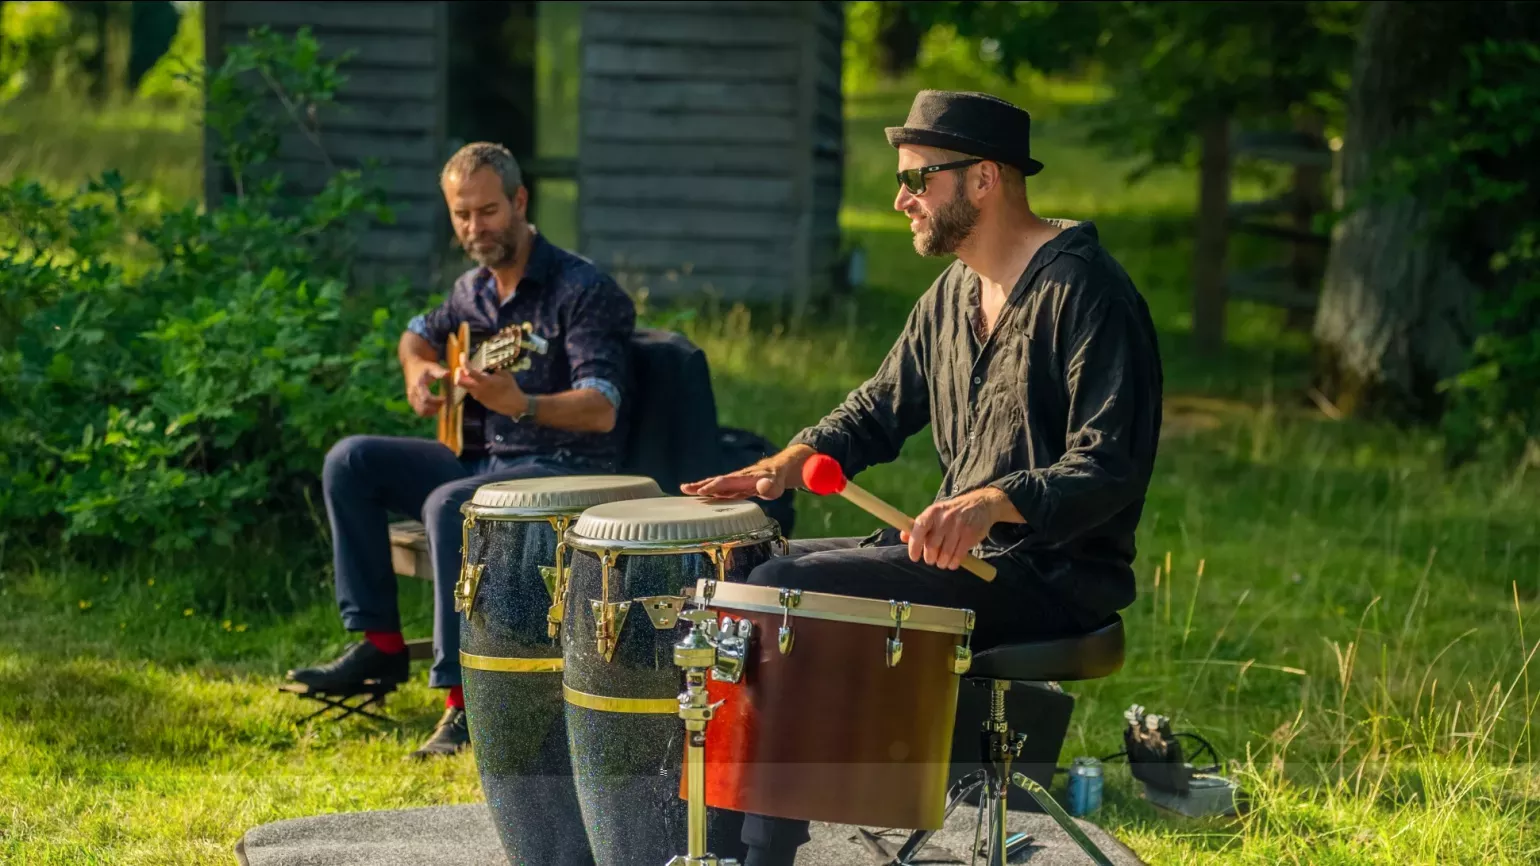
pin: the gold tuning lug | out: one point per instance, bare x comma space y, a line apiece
609, 619
465, 588
663, 610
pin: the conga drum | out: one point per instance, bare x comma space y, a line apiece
843, 710
509, 596
634, 566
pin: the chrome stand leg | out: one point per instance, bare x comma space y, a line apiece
961, 790
696, 654
1052, 807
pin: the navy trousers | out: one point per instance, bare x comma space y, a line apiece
1013, 608
368, 477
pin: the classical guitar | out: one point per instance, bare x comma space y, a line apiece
461, 419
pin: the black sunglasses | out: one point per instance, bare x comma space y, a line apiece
913, 179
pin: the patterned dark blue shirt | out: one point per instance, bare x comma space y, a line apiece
588, 321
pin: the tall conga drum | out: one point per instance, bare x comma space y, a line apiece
634, 566
842, 711
509, 597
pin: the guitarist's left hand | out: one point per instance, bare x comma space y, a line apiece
499, 392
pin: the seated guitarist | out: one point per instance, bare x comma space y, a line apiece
557, 417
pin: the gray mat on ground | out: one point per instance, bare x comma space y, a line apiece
463, 836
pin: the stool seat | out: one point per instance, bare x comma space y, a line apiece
1097, 653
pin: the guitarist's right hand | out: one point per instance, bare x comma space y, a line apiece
418, 390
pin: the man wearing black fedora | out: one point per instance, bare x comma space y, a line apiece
1034, 361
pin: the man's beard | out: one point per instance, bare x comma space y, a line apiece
950, 225
503, 249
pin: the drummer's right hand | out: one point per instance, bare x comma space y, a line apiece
756, 480
767, 479
418, 392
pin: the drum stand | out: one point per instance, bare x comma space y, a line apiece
696, 653
1001, 746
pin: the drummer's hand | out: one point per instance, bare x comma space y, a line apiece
945, 532
767, 479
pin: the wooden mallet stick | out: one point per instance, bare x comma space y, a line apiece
823, 476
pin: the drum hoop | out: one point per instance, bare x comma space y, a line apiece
657, 548
503, 664
631, 706
922, 617
515, 514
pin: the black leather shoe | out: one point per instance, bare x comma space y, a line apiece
451, 735
363, 661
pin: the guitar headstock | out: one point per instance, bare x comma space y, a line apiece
507, 349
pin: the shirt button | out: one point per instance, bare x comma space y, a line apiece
978, 380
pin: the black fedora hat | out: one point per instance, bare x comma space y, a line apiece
973, 123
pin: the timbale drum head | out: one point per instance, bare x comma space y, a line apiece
570, 494
671, 520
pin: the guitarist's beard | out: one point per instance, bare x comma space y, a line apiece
496, 250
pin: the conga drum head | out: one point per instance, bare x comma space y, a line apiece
510, 659
671, 522
844, 708
634, 565
539, 497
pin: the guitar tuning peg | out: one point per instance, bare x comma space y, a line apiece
524, 364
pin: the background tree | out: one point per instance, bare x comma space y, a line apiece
1183, 76
1433, 194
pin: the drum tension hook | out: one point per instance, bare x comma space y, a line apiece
790, 598
899, 611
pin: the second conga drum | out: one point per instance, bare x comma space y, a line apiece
634, 566
843, 710
508, 593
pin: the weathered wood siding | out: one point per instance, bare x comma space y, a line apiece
391, 109
710, 153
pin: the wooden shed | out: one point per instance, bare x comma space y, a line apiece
687, 147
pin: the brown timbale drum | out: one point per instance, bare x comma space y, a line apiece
842, 710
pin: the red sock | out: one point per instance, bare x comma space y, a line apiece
386, 641
455, 698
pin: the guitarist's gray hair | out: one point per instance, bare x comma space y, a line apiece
485, 154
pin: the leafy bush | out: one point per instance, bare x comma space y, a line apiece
174, 378
1474, 165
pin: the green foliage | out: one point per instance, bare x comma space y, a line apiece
1171, 67
33, 36
174, 377
1473, 165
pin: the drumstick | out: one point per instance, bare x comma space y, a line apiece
823, 476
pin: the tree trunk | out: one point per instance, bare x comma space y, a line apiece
1210, 245
899, 36
1396, 311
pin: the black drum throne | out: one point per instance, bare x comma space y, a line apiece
1096, 654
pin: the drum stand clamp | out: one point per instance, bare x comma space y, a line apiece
699, 651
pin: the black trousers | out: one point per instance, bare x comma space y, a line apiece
1012, 608
368, 477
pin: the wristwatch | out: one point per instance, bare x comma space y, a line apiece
528, 415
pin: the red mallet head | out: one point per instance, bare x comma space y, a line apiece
822, 475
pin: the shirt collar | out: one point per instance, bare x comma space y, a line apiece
539, 270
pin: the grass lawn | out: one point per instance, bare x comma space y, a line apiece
1346, 622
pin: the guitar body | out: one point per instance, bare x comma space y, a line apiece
462, 420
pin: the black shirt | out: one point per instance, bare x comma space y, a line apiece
588, 321
1060, 407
